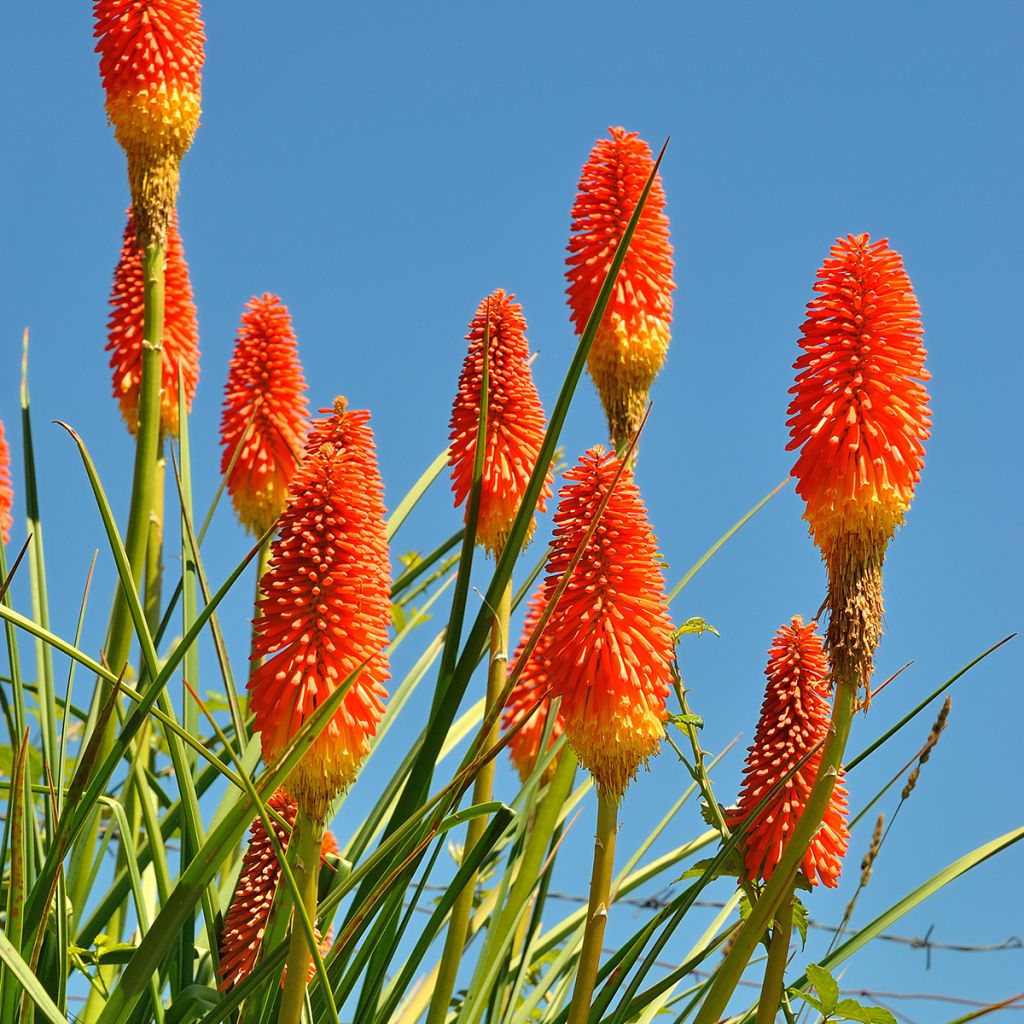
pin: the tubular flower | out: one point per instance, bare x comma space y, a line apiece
265, 413
125, 330
524, 746
794, 719
630, 345
859, 416
6, 490
609, 650
515, 419
325, 609
247, 917
151, 59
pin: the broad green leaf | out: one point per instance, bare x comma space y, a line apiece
825, 985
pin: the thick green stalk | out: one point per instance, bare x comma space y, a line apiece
779, 884
308, 837
155, 544
538, 839
597, 909
483, 788
263, 560
119, 635
775, 970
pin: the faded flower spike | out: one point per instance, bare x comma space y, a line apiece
264, 419
630, 345
515, 419
794, 719
609, 647
325, 610
6, 490
524, 746
246, 920
859, 416
151, 59
125, 330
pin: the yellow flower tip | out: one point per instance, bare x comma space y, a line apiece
623, 364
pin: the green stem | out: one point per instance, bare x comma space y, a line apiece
308, 837
775, 970
597, 909
119, 635
262, 562
483, 787
155, 544
535, 850
779, 884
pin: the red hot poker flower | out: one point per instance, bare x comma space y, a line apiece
6, 490
524, 746
151, 59
794, 719
610, 636
630, 345
265, 413
125, 330
325, 610
247, 917
515, 419
859, 416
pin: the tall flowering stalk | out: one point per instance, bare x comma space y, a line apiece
515, 426
265, 416
264, 419
246, 921
6, 490
151, 60
794, 721
125, 328
859, 415
324, 614
630, 345
515, 419
608, 657
524, 747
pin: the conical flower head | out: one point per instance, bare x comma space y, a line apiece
630, 345
246, 921
515, 419
265, 414
532, 684
859, 416
794, 719
6, 490
325, 610
151, 59
610, 648
125, 330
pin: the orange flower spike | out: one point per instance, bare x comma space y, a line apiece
859, 416
630, 345
6, 490
264, 403
524, 746
794, 719
325, 610
247, 917
515, 420
610, 647
151, 59
125, 329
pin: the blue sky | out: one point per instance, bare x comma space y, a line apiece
382, 167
